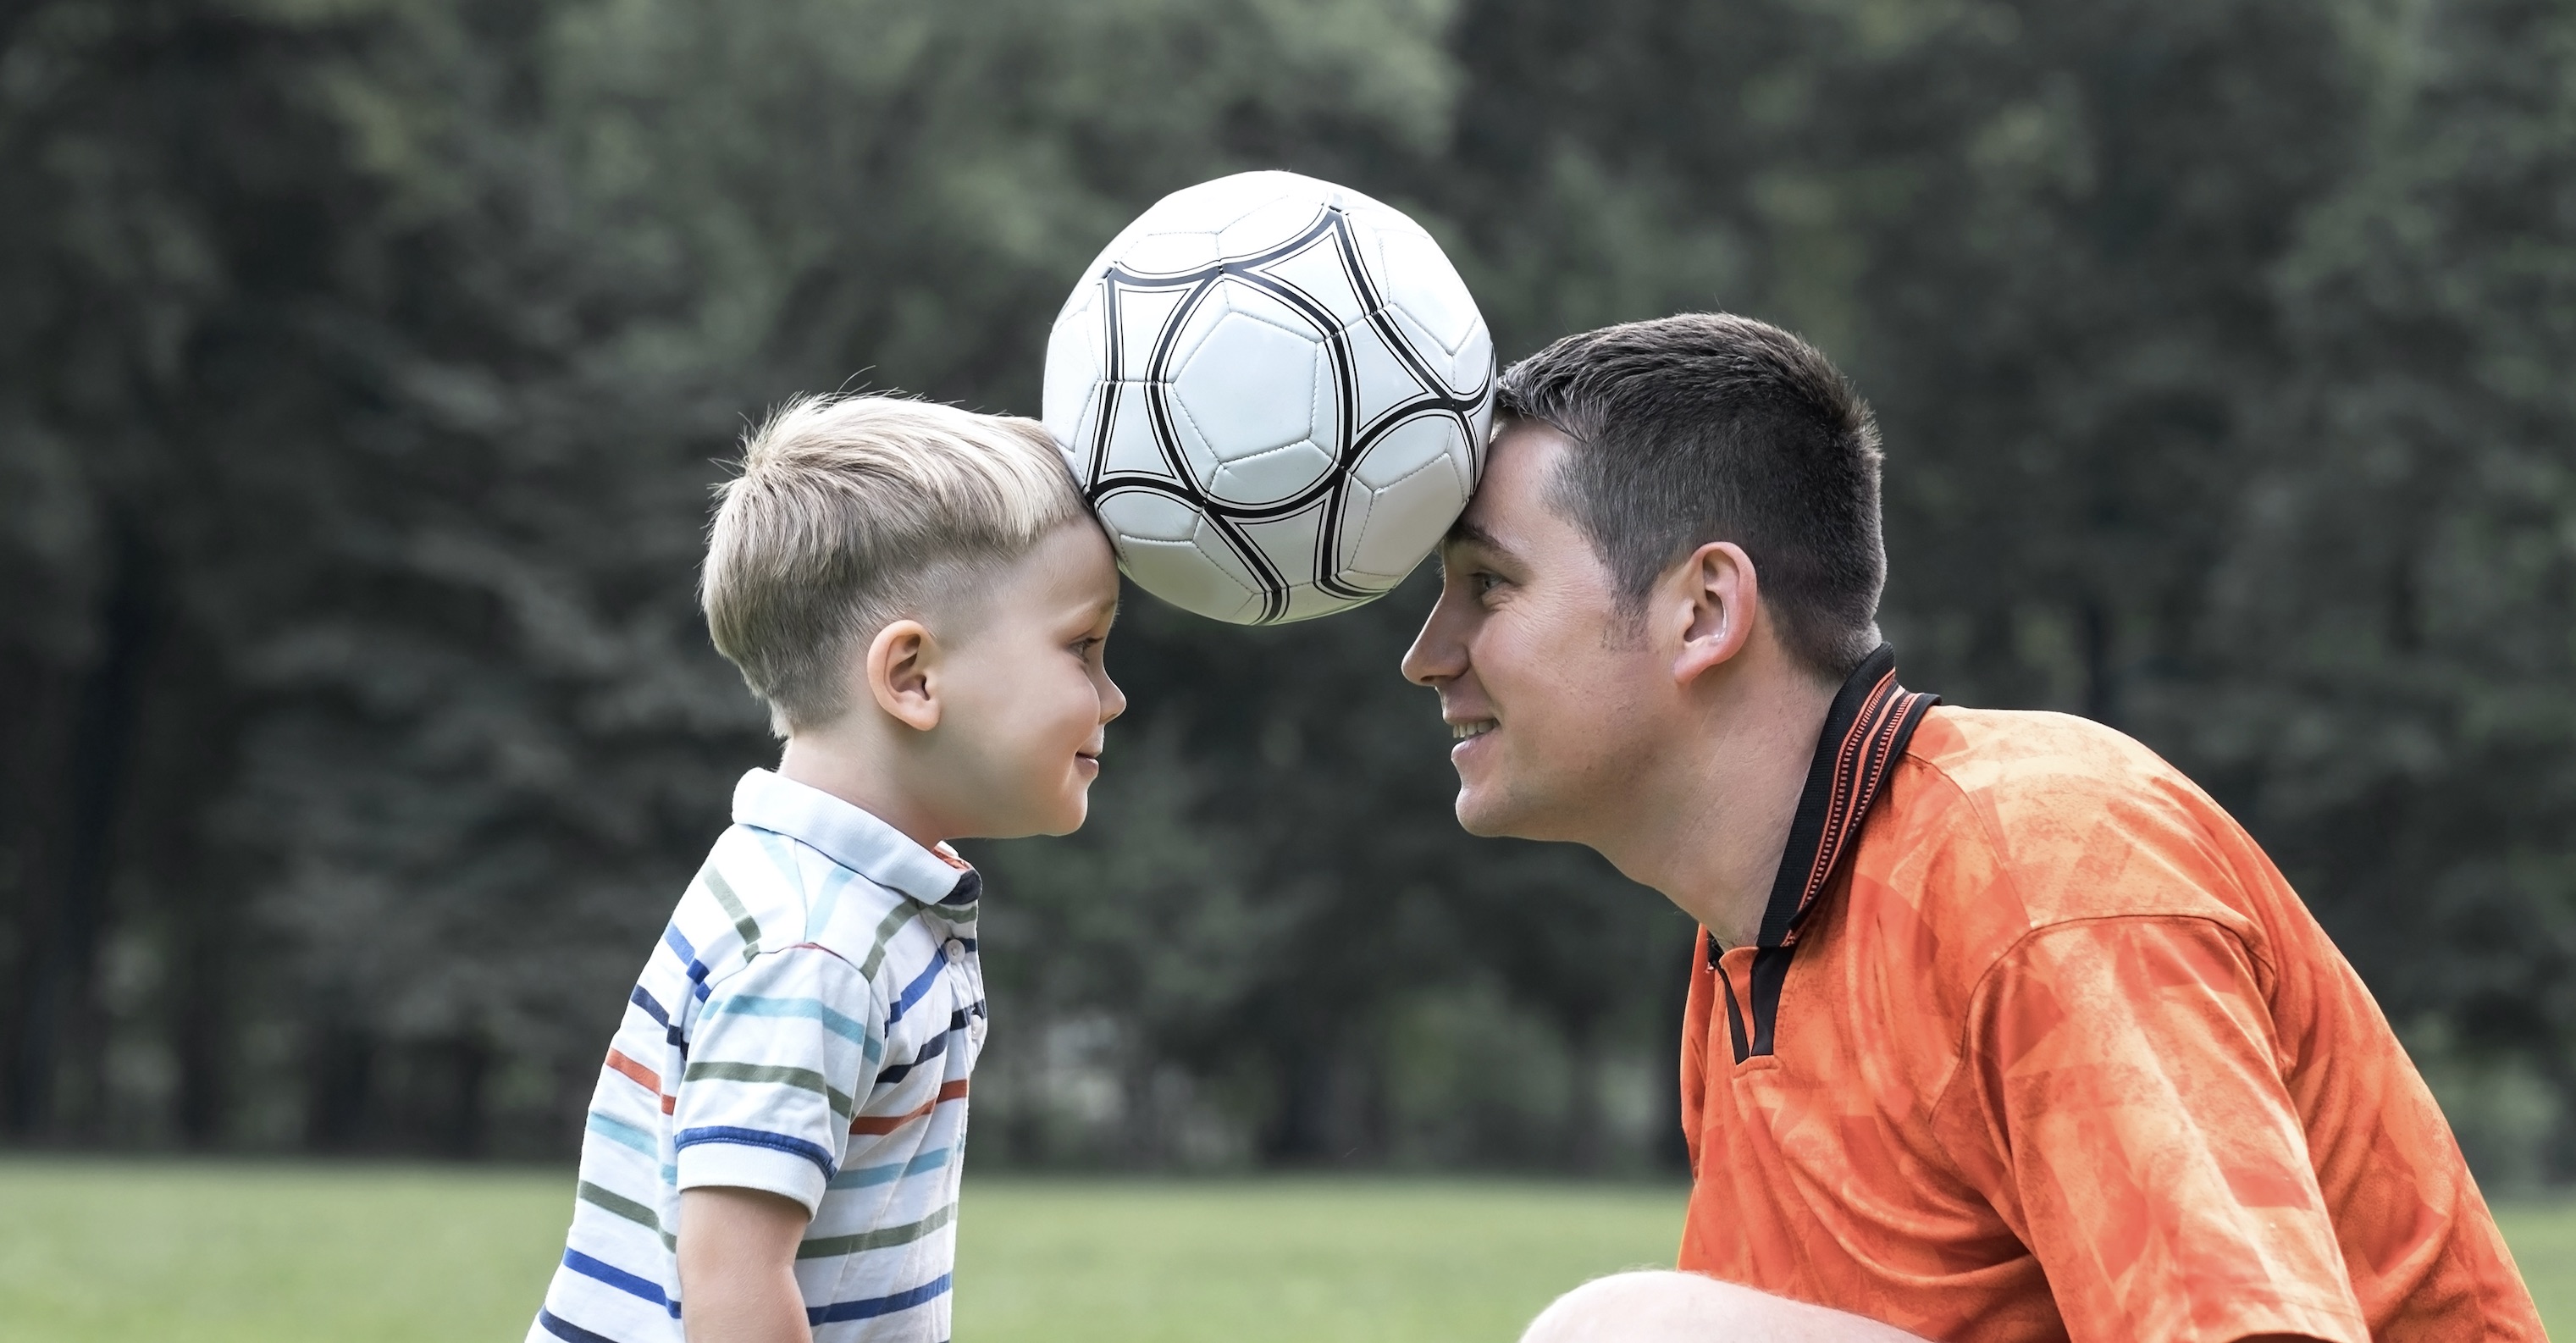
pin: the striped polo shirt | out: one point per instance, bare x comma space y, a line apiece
805, 1027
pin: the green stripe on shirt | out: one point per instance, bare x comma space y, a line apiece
804, 1079
903, 913
743, 923
824, 1247
609, 1201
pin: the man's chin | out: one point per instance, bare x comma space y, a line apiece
1487, 816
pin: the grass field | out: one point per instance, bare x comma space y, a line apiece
183, 1253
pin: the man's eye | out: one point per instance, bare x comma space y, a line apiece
1483, 582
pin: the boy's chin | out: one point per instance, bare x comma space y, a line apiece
1070, 818
1063, 818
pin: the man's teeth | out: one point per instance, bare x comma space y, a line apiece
1462, 731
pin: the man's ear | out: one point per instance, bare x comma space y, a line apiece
899, 666
1721, 595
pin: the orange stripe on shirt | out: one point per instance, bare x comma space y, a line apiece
635, 1072
881, 1124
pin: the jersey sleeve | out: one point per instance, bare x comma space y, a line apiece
2128, 1073
775, 1057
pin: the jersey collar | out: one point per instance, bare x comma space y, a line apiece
1864, 734
848, 835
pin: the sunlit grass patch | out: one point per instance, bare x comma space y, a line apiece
204, 1252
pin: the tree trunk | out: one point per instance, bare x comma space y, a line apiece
60, 1030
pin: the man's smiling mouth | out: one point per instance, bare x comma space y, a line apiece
1478, 728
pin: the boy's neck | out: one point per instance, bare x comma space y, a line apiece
861, 777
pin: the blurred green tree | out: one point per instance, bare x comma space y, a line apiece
364, 366
2396, 631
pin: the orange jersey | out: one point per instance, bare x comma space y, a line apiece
2036, 1044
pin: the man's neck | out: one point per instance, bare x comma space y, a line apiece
1717, 815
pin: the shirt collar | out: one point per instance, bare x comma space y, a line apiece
1865, 732
848, 835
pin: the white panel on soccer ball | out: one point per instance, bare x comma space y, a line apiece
1275, 222
1480, 435
1073, 371
1380, 379
1142, 315
1317, 271
1133, 448
1407, 448
1404, 518
1471, 370
1462, 376
1147, 515
1272, 477
1418, 280
1292, 543
1214, 206
1188, 576
1246, 377
1252, 402
1079, 437
1158, 254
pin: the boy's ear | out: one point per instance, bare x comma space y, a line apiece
899, 662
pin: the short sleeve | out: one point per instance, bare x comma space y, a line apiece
2127, 1068
775, 1056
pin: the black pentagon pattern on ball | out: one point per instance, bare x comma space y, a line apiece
1331, 227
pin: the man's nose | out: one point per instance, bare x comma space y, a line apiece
1437, 654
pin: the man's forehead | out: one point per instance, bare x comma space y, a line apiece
1513, 500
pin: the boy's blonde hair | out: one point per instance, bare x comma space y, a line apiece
849, 511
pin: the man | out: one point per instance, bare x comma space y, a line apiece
2001, 1029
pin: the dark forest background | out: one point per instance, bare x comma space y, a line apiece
364, 365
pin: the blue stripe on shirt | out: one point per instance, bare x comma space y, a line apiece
653, 1008
568, 1331
620, 1279
812, 1009
752, 1137
937, 1045
877, 1305
622, 1133
934, 1159
920, 985
688, 955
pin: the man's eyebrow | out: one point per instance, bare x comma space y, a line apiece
1463, 532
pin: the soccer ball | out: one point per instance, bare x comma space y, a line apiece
1274, 392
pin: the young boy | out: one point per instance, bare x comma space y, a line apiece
773, 1151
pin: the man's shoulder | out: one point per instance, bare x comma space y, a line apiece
2032, 754
2040, 818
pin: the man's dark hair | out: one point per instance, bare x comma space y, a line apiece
1712, 427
